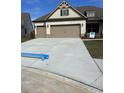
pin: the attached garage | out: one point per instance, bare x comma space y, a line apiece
41, 31
65, 31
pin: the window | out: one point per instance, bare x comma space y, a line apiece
90, 13
64, 12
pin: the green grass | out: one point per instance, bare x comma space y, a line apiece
24, 39
95, 48
28, 37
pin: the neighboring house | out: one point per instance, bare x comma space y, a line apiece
68, 21
26, 25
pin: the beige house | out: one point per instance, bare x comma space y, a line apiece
64, 21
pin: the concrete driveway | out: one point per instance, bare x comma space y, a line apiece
39, 81
68, 57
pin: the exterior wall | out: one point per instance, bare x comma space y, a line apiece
82, 24
47, 29
56, 14
27, 26
22, 32
83, 28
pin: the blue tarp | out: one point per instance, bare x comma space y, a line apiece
32, 55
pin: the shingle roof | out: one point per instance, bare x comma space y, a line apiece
42, 18
98, 11
81, 9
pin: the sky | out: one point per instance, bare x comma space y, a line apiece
38, 8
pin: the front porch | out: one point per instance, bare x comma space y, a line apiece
96, 27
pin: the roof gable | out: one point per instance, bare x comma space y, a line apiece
72, 12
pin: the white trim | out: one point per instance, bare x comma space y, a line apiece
39, 24
35, 30
65, 22
47, 29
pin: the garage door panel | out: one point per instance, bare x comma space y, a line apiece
65, 31
41, 31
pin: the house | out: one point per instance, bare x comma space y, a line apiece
69, 21
26, 25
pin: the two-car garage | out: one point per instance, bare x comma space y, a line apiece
65, 31
59, 31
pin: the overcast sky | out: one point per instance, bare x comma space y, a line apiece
37, 8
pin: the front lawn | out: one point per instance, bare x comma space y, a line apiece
95, 48
24, 39
28, 37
